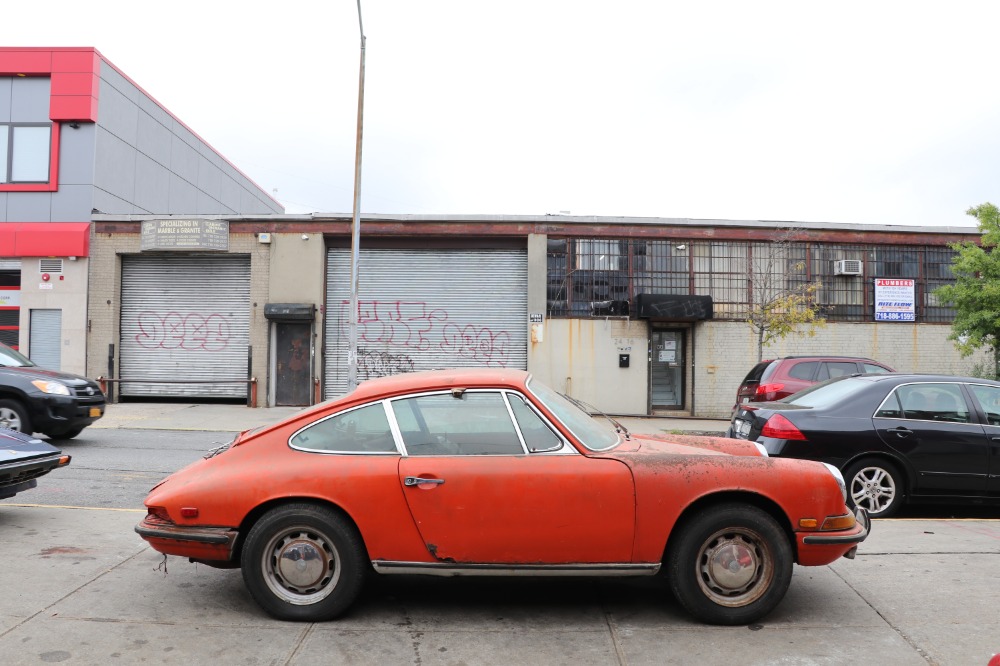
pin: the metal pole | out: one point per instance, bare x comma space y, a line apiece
352, 339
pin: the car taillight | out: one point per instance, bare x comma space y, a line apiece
764, 389
779, 427
159, 513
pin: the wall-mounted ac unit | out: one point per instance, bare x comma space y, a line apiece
848, 267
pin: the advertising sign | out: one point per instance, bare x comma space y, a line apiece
894, 300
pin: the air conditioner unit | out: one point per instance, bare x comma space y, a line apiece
848, 267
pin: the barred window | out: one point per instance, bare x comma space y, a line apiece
602, 277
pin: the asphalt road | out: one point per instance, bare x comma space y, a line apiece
82, 588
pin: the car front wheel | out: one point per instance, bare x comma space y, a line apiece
14, 417
729, 564
304, 562
875, 486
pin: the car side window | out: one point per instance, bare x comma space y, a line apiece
873, 369
362, 430
805, 370
837, 369
989, 400
457, 423
890, 408
537, 435
933, 402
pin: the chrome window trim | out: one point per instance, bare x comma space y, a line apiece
395, 434
564, 446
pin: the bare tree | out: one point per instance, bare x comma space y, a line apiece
781, 297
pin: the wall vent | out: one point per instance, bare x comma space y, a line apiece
50, 265
848, 267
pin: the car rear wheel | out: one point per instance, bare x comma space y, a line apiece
875, 486
14, 416
304, 562
729, 564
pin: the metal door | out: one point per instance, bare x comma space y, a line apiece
426, 309
666, 369
185, 318
45, 338
292, 363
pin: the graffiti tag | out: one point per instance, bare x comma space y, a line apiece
190, 332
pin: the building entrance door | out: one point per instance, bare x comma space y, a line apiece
293, 363
666, 369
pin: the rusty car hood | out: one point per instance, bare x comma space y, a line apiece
686, 445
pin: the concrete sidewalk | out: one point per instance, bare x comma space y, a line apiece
235, 418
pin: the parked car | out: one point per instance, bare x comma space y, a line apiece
57, 404
777, 378
489, 472
895, 438
23, 459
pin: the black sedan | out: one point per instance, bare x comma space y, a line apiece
23, 459
896, 438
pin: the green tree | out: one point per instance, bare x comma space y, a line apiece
781, 298
975, 294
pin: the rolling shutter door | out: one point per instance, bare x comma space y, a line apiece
426, 309
45, 336
185, 318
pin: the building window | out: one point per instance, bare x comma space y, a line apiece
25, 149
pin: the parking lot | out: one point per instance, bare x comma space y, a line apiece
82, 588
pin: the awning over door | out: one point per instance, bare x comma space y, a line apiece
674, 307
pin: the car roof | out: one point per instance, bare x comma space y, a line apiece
903, 378
427, 380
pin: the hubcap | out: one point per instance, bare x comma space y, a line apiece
735, 567
301, 565
9, 419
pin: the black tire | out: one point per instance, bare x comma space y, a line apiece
332, 556
729, 564
876, 486
14, 416
64, 434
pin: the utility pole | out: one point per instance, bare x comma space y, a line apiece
352, 349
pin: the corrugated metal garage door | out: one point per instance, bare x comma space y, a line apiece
45, 338
426, 309
185, 318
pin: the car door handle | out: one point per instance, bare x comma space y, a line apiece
416, 481
901, 432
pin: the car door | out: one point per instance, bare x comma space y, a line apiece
477, 495
988, 399
933, 427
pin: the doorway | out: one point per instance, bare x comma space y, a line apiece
666, 369
292, 363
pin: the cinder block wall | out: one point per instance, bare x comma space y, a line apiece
725, 352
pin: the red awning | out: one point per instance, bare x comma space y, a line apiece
44, 239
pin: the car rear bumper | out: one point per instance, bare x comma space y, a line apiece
196, 543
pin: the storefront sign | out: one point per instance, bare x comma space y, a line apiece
186, 235
10, 297
894, 300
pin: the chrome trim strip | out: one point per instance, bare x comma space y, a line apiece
451, 569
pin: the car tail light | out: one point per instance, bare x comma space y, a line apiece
845, 522
768, 389
158, 512
779, 427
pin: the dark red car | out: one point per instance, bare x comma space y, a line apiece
781, 377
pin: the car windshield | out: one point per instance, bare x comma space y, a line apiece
826, 393
13, 359
591, 433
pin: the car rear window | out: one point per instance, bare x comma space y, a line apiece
826, 393
875, 369
756, 374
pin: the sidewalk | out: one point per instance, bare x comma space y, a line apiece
235, 418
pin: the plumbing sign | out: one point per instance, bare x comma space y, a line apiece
894, 300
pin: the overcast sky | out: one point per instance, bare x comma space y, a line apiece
865, 112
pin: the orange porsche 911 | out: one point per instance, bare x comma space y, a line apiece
491, 473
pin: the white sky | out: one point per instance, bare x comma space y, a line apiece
868, 112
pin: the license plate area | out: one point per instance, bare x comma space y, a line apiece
95, 412
742, 427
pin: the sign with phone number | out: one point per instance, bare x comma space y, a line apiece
895, 316
894, 300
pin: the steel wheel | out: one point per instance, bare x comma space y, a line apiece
735, 567
729, 563
304, 562
875, 487
301, 565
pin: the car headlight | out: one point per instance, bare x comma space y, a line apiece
840, 479
54, 388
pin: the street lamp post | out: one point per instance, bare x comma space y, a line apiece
352, 337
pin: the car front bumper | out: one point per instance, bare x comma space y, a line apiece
818, 548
